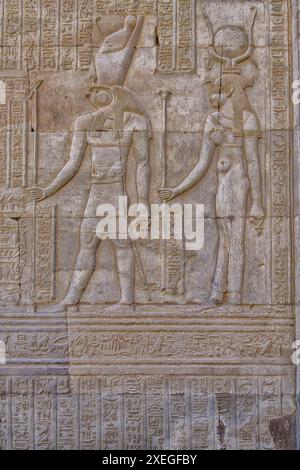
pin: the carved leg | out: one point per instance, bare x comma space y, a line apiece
236, 261
126, 270
85, 263
220, 279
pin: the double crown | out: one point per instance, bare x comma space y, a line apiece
111, 62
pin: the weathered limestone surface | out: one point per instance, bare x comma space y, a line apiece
144, 344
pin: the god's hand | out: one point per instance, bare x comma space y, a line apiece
216, 136
37, 194
167, 194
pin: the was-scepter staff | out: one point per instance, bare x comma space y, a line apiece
165, 95
33, 96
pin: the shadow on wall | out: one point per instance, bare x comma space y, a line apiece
283, 432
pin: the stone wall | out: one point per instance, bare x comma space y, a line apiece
147, 344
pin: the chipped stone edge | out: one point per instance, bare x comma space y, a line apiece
295, 32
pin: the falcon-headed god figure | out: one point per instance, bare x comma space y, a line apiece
118, 125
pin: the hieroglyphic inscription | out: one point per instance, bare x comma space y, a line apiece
22, 413
49, 35
120, 345
165, 56
11, 27
68, 35
17, 110
16, 260
30, 34
44, 413
185, 54
85, 30
5, 407
176, 35
202, 413
179, 417
269, 408
44, 345
131, 7
246, 405
52, 34
67, 418
280, 151
10, 267
3, 142
45, 252
134, 405
156, 412
13, 132
89, 413
112, 406
225, 422
174, 267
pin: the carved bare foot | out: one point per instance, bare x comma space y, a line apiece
72, 308
119, 308
217, 297
51, 308
193, 300
126, 302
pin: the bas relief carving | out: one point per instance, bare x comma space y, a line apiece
119, 124
162, 101
232, 132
